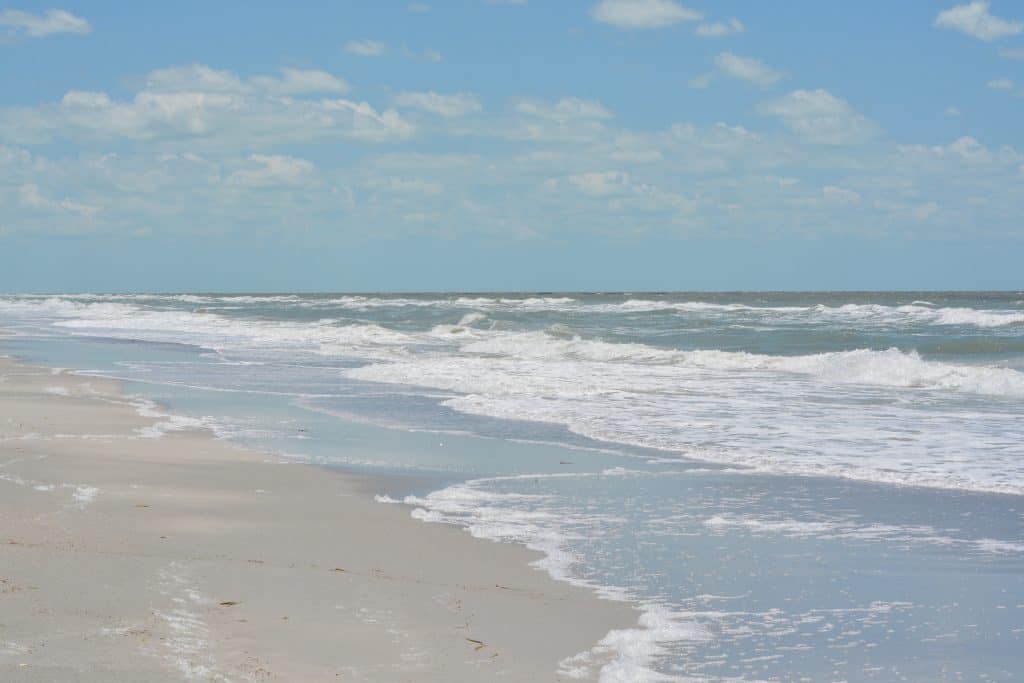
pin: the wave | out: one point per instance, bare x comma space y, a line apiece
221, 333
917, 313
362, 302
872, 315
884, 416
924, 314
895, 368
887, 368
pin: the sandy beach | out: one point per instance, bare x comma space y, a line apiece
125, 557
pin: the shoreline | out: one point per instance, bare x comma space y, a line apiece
185, 557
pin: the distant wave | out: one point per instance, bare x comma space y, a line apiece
463, 342
916, 313
213, 330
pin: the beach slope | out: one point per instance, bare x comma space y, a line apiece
130, 552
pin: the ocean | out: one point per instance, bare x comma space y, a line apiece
791, 486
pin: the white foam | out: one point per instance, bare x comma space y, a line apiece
207, 329
851, 530
633, 654
10, 647
895, 368
165, 422
187, 644
916, 421
921, 313
471, 319
998, 547
637, 649
916, 313
84, 495
623, 655
216, 332
891, 367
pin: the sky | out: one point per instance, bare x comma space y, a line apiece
485, 145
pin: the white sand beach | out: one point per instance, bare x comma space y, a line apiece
126, 558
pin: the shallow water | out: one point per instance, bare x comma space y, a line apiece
795, 486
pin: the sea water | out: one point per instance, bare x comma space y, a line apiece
798, 486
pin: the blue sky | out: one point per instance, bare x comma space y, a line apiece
475, 144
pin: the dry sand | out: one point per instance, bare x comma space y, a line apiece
125, 558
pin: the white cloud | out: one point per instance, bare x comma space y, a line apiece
31, 197
565, 109
86, 99
617, 193
458, 104
722, 178
601, 183
923, 212
642, 13
969, 149
952, 112
419, 7
747, 69
966, 151
705, 150
569, 120
148, 116
217, 106
637, 149
974, 19
702, 81
840, 195
428, 55
404, 186
717, 29
820, 117
267, 170
301, 82
196, 146
1007, 85
10, 156
366, 48
201, 78
195, 77
34, 26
